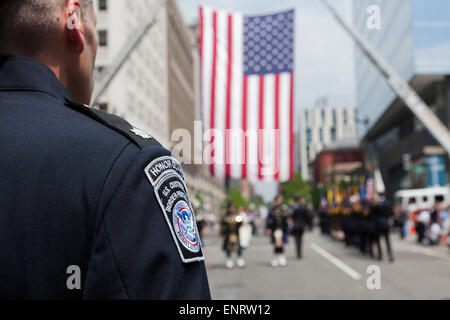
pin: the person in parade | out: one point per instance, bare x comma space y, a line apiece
301, 219
383, 211
277, 227
230, 225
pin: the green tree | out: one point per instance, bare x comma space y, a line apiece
201, 201
236, 198
298, 186
258, 201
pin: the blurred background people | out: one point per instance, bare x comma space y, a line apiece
245, 230
383, 211
301, 220
230, 225
422, 221
277, 228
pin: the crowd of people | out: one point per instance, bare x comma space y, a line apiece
359, 223
432, 226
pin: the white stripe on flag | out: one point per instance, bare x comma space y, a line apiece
268, 154
236, 151
285, 86
252, 127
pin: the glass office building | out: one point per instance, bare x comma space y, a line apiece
415, 38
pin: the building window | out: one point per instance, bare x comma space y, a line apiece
333, 134
103, 107
103, 38
334, 117
345, 117
306, 118
323, 117
102, 5
308, 136
321, 135
100, 69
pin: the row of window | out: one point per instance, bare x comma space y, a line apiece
324, 117
321, 136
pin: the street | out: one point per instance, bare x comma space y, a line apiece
329, 271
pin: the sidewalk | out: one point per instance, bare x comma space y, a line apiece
410, 244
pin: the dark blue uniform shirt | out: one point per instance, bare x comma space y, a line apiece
83, 190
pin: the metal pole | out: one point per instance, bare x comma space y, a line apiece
412, 100
111, 71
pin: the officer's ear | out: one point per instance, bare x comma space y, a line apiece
74, 26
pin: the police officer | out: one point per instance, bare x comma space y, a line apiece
91, 207
301, 219
383, 211
368, 229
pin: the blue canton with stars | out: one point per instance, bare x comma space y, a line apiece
269, 43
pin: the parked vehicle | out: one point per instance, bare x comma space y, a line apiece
421, 199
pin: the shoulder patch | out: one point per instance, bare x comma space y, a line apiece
167, 179
135, 135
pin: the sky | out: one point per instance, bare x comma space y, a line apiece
323, 56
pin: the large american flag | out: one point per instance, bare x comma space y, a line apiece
247, 93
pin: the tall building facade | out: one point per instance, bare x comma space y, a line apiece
139, 92
414, 38
320, 127
155, 89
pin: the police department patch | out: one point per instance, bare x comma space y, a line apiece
166, 177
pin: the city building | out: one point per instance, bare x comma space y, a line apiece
414, 38
338, 161
319, 127
139, 91
156, 88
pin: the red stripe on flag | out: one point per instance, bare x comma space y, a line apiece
228, 105
261, 128
291, 128
277, 127
244, 127
213, 90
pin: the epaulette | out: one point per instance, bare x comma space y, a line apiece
135, 135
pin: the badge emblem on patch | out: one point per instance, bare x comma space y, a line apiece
184, 224
165, 175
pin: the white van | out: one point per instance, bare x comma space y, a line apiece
420, 199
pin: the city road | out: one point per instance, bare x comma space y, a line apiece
329, 271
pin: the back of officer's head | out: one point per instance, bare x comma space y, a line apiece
58, 33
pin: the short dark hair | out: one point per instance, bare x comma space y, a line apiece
26, 25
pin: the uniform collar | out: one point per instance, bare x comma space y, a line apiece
19, 73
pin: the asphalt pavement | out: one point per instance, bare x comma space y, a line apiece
330, 271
